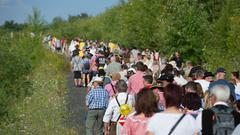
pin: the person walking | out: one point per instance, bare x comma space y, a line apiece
96, 102
112, 114
76, 66
221, 118
172, 120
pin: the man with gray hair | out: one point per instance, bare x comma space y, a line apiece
199, 79
221, 119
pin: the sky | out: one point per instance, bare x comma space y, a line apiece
18, 10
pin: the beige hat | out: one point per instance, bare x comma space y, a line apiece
173, 63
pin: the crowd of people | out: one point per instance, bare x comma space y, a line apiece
133, 92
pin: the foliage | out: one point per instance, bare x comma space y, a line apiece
13, 26
36, 21
223, 49
17, 63
44, 111
202, 30
32, 87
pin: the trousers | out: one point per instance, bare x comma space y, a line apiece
94, 122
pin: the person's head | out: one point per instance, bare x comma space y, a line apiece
189, 64
76, 46
113, 58
124, 67
146, 103
147, 79
139, 56
208, 76
148, 72
145, 67
121, 86
191, 87
207, 100
199, 90
177, 54
115, 76
98, 81
100, 52
220, 93
166, 79
101, 72
235, 75
140, 66
220, 73
237, 105
199, 74
192, 101
173, 95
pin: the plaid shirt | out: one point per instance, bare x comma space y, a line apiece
97, 99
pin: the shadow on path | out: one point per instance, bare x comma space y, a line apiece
76, 106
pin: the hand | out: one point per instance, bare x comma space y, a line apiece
106, 129
106, 132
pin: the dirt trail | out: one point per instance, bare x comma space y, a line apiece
76, 105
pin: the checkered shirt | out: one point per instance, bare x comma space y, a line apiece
97, 98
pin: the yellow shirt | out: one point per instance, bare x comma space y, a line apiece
111, 46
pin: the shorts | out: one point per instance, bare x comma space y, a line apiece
85, 71
77, 74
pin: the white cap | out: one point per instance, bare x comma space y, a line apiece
98, 79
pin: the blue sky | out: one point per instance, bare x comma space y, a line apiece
18, 10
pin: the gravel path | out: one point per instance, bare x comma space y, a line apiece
76, 106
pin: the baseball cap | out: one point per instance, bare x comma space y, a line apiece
220, 70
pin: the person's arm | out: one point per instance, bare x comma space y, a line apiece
72, 65
149, 133
107, 118
89, 98
106, 128
196, 133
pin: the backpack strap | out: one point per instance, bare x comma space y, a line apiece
175, 125
119, 106
126, 99
117, 101
113, 88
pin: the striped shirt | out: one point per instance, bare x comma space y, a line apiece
97, 98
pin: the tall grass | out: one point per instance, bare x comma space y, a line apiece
43, 112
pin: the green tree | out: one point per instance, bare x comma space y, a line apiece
35, 21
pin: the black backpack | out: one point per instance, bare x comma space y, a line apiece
223, 123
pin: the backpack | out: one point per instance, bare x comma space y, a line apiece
124, 110
223, 121
86, 64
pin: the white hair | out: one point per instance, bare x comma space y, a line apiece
221, 92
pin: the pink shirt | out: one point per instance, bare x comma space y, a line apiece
135, 83
93, 59
135, 125
109, 88
161, 97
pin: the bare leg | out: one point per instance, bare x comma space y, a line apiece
83, 78
79, 82
76, 82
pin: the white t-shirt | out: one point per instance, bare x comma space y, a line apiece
204, 84
161, 124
